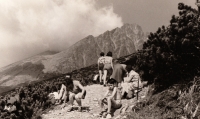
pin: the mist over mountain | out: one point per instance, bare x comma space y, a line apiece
121, 41
30, 27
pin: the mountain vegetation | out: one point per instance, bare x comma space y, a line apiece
172, 54
169, 61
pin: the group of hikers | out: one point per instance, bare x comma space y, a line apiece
123, 82
120, 80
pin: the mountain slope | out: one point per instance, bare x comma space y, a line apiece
121, 41
27, 70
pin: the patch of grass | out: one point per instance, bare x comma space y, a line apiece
174, 103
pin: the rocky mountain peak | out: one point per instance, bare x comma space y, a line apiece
120, 41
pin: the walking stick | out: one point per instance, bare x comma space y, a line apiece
137, 89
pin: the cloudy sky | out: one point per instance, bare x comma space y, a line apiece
28, 27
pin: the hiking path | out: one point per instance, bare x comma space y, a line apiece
94, 93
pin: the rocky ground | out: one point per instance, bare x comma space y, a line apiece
94, 92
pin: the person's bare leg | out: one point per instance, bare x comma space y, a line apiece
78, 100
109, 104
104, 77
100, 76
71, 99
64, 102
104, 104
65, 99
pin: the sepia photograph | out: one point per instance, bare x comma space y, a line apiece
100, 59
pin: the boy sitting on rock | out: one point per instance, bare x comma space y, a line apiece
112, 99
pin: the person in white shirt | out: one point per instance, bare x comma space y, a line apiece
131, 82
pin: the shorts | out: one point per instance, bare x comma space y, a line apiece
101, 66
79, 94
116, 104
107, 67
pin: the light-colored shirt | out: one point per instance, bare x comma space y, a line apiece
55, 95
108, 63
101, 60
108, 60
131, 76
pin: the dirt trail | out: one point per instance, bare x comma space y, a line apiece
94, 92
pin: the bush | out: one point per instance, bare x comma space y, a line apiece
172, 54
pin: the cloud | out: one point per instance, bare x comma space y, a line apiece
31, 27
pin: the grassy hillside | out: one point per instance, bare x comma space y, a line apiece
24, 72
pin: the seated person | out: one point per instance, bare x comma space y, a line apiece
131, 82
74, 91
112, 98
